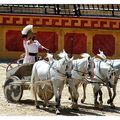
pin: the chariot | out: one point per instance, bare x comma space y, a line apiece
18, 77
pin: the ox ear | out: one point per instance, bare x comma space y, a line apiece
64, 51
65, 54
85, 55
61, 55
49, 56
100, 51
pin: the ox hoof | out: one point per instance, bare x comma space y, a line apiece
96, 105
75, 106
108, 102
44, 105
82, 100
100, 107
57, 112
112, 106
37, 107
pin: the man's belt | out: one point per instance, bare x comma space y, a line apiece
33, 54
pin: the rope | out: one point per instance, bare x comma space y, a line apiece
55, 69
81, 71
3, 66
76, 65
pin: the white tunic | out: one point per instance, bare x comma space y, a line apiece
30, 48
33, 47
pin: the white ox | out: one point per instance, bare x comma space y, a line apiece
82, 68
55, 72
116, 65
104, 74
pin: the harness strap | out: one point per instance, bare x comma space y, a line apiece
104, 82
80, 71
54, 69
49, 69
83, 73
51, 65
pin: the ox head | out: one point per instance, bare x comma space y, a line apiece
66, 63
90, 65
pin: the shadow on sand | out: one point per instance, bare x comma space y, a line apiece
83, 110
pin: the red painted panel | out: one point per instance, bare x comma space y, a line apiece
48, 39
78, 45
14, 41
106, 43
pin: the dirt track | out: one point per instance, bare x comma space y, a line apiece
26, 106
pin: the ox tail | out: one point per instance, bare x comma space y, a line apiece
32, 85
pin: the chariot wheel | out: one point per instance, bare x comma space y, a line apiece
45, 93
13, 93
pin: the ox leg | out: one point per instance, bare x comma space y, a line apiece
110, 101
75, 96
84, 92
35, 96
69, 89
110, 95
57, 100
114, 95
114, 92
95, 91
58, 87
74, 93
100, 99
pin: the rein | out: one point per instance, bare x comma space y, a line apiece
104, 82
51, 66
80, 71
3, 66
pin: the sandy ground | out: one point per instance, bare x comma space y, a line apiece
26, 105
